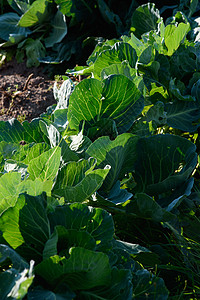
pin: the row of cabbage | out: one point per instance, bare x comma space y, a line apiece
100, 195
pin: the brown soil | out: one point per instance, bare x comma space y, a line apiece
25, 93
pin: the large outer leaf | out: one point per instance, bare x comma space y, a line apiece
25, 153
8, 26
175, 91
100, 47
84, 269
8, 149
174, 35
14, 282
59, 30
65, 7
60, 118
36, 13
11, 186
13, 131
63, 239
119, 99
56, 139
147, 55
122, 101
156, 114
115, 196
185, 60
77, 181
9, 224
120, 287
26, 227
46, 165
118, 68
8, 190
145, 19
36, 187
183, 115
34, 226
32, 132
137, 44
84, 103
117, 54
120, 154
17, 261
102, 127
144, 282
137, 251
20, 6
97, 222
164, 163
146, 207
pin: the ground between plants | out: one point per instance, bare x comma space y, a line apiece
25, 93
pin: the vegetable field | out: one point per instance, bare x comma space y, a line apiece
100, 195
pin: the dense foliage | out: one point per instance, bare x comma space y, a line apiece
100, 196
53, 31
58, 31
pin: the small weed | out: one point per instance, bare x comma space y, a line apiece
2, 111
21, 118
